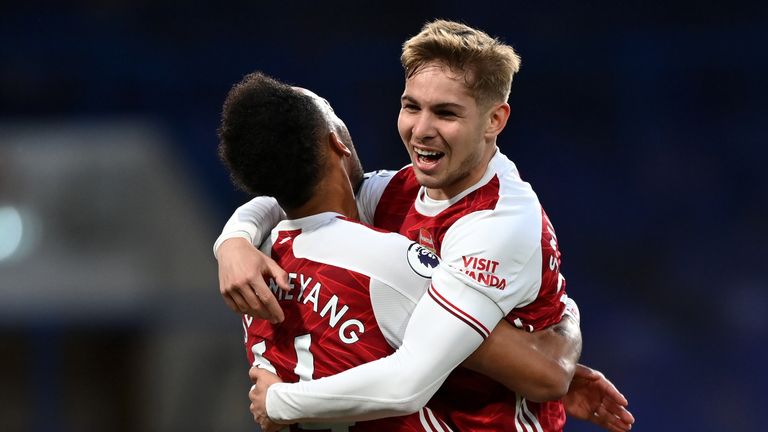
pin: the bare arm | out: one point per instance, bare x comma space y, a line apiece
537, 365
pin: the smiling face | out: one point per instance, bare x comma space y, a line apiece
449, 137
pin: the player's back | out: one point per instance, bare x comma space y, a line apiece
353, 289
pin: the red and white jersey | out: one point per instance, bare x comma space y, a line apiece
354, 289
494, 239
500, 261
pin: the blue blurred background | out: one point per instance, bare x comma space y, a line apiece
641, 127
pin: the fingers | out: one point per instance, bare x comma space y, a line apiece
614, 406
273, 312
266, 305
615, 397
240, 303
257, 406
610, 424
231, 303
611, 392
232, 295
617, 410
242, 273
616, 425
619, 419
255, 299
254, 374
280, 275
623, 415
585, 372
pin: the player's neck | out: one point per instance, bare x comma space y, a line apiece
333, 194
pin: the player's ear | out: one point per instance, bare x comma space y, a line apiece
498, 115
338, 146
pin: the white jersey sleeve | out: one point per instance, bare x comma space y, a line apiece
251, 221
495, 253
256, 218
435, 342
370, 193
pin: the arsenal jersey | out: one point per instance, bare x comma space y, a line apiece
494, 238
353, 289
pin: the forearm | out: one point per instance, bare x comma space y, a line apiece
435, 343
252, 221
538, 366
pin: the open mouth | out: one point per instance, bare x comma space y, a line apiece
428, 156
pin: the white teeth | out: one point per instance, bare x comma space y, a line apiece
425, 152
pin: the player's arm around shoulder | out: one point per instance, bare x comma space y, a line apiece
435, 342
370, 191
251, 221
539, 365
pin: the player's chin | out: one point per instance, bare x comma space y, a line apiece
430, 181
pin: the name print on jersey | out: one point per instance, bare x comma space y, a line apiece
554, 257
349, 328
483, 271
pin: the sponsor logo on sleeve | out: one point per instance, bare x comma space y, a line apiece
422, 260
483, 270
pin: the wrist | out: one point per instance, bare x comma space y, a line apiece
235, 242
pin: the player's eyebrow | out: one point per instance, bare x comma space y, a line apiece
441, 105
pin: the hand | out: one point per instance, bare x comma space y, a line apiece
593, 398
242, 273
262, 379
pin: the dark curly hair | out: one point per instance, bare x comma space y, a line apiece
268, 139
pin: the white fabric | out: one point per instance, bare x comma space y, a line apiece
370, 193
571, 308
435, 343
503, 244
497, 252
254, 219
251, 221
395, 285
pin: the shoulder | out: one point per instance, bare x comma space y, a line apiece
384, 256
403, 178
375, 182
504, 234
369, 193
502, 226
508, 222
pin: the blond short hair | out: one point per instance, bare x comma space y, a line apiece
487, 64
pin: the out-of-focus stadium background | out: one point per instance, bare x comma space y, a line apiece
642, 128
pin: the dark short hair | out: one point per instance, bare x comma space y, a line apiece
268, 139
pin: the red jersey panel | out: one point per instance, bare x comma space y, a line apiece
470, 400
329, 327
